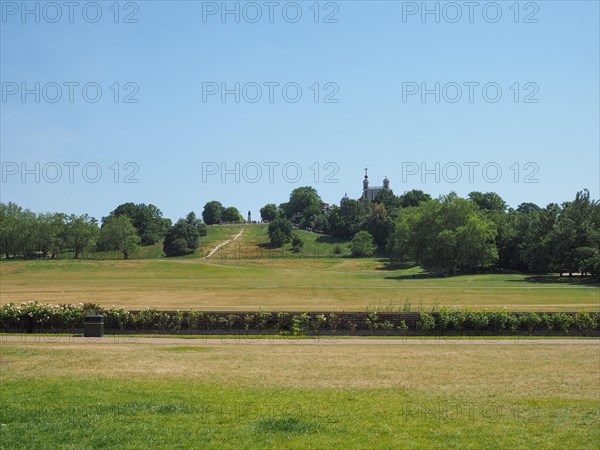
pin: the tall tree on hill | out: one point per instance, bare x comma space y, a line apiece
388, 199
349, 218
306, 202
197, 223
231, 214
268, 213
212, 213
147, 220
414, 198
181, 239
301, 199
280, 232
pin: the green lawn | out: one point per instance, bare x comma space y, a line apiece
281, 284
135, 395
247, 274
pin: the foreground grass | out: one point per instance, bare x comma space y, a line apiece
298, 396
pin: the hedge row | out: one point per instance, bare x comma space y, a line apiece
34, 316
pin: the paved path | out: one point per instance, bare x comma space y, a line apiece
223, 244
243, 340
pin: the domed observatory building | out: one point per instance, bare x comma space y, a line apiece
370, 193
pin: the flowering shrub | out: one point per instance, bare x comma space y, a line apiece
121, 317
34, 316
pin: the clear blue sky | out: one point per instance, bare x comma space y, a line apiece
367, 55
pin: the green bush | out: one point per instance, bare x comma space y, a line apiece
194, 319
426, 322
362, 244
38, 316
584, 322
403, 328
317, 322
529, 321
562, 322
444, 319
457, 320
372, 321
547, 322
498, 320
120, 317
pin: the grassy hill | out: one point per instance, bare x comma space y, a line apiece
247, 274
254, 244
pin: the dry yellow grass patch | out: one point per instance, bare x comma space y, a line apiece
478, 371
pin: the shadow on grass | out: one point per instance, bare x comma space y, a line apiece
394, 265
576, 280
424, 276
326, 239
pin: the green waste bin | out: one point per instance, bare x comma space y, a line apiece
93, 326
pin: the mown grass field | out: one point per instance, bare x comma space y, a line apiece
136, 395
246, 275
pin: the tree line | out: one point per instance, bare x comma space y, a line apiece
444, 235
452, 234
27, 235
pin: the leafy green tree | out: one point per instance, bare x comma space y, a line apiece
536, 238
50, 233
303, 200
280, 232
320, 222
362, 244
278, 239
489, 201
414, 198
348, 219
181, 239
118, 233
231, 214
147, 220
212, 213
303, 207
268, 213
475, 243
9, 228
81, 233
380, 224
282, 210
297, 244
200, 226
388, 199
26, 234
18, 231
495, 208
400, 240
451, 233
575, 236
